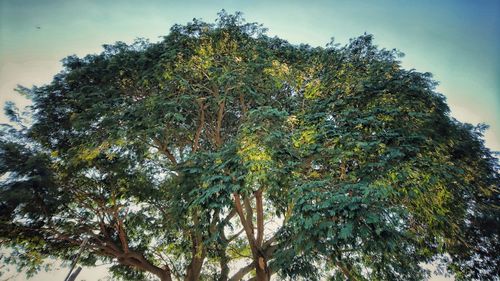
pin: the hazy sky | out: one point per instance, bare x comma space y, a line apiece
457, 41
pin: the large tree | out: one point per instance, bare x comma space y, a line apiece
220, 153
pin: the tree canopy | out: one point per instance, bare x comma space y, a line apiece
220, 153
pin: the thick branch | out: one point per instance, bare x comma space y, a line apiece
201, 114
270, 241
224, 265
242, 272
138, 260
220, 116
260, 217
228, 217
121, 230
249, 210
246, 226
198, 252
236, 235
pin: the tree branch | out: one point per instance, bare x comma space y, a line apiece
201, 114
242, 272
220, 116
260, 217
232, 238
120, 229
249, 210
246, 226
164, 149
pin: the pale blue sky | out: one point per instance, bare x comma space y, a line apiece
458, 41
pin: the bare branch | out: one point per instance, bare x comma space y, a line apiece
220, 116
201, 114
249, 210
246, 226
242, 272
260, 217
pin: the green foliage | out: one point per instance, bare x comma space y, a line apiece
146, 149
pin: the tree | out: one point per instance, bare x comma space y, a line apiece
220, 153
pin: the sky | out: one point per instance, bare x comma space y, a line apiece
456, 40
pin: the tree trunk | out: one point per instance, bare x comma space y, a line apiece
262, 272
194, 269
224, 267
165, 276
